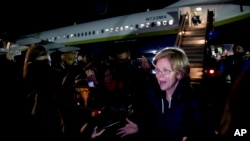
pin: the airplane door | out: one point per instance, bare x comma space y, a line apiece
184, 10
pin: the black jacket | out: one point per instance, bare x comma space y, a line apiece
172, 121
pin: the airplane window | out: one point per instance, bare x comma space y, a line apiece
86, 33
136, 26
126, 27
131, 27
102, 31
117, 29
111, 29
170, 22
158, 23
93, 32
52, 39
82, 34
89, 32
141, 25
121, 28
147, 25
164, 22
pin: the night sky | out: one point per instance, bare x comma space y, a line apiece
36, 16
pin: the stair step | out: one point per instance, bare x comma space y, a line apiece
196, 65
193, 42
195, 33
195, 55
199, 27
195, 60
194, 51
193, 38
196, 73
193, 46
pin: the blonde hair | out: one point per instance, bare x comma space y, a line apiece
178, 58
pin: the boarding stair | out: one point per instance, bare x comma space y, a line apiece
191, 38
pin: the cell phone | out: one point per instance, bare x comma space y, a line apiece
91, 84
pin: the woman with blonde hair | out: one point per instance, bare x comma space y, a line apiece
176, 111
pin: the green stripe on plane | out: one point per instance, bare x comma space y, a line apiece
231, 20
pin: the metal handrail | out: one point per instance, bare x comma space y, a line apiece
209, 28
180, 33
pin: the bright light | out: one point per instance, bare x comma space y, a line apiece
211, 71
154, 51
170, 22
198, 9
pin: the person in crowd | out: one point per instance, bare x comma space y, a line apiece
125, 80
42, 87
12, 96
87, 107
84, 59
112, 85
84, 72
67, 70
116, 106
235, 116
68, 60
131, 69
234, 63
233, 66
196, 19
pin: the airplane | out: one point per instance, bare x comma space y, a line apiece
159, 22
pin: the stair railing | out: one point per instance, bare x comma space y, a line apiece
181, 30
209, 29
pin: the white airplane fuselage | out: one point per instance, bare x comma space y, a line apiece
144, 24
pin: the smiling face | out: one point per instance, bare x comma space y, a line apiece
167, 78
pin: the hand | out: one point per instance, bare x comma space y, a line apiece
144, 63
129, 128
96, 134
184, 138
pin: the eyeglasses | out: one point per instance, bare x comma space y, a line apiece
164, 71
